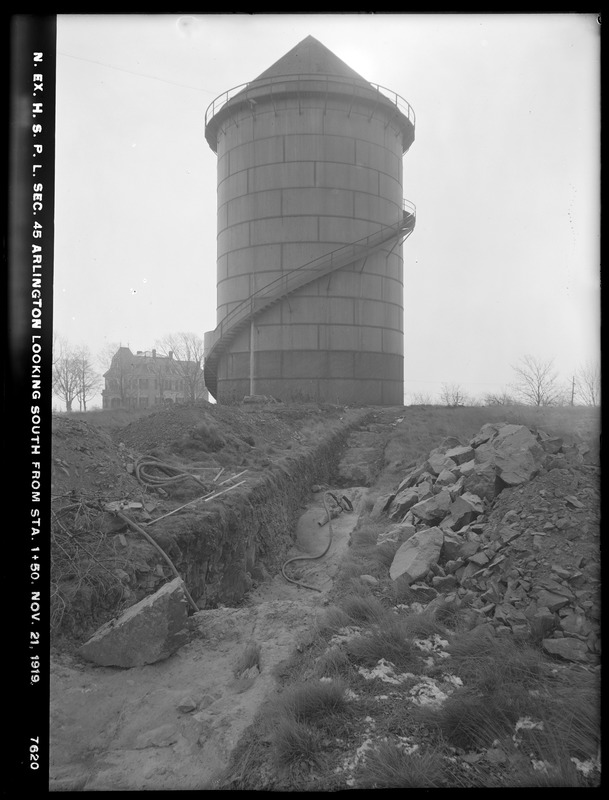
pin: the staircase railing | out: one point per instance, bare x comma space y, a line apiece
217, 340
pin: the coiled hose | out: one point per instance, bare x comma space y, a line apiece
311, 558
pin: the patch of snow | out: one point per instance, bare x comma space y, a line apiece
587, 767
433, 644
454, 679
427, 693
407, 745
415, 607
528, 724
385, 671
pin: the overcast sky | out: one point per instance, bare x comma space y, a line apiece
504, 172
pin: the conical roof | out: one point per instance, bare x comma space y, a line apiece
308, 68
310, 57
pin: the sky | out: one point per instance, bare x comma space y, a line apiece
504, 172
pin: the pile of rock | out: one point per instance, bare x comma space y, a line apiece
492, 525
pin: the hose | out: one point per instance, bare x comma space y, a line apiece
173, 474
311, 558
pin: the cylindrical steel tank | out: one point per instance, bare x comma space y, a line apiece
311, 219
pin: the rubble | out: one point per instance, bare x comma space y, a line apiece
506, 524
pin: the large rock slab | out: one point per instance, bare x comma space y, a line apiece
433, 509
438, 462
481, 480
396, 533
417, 554
381, 505
461, 454
568, 649
518, 455
403, 502
462, 511
149, 631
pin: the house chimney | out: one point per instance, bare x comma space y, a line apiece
170, 354
154, 353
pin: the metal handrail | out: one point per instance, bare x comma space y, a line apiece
222, 99
324, 263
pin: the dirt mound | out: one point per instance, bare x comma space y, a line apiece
225, 433
86, 461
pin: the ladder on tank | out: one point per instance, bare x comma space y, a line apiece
218, 340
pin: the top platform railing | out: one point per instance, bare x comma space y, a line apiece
330, 84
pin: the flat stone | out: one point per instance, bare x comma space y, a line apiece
403, 502
541, 622
479, 558
411, 478
445, 478
461, 512
444, 583
187, 704
148, 631
417, 554
551, 600
568, 649
552, 445
460, 454
518, 455
576, 624
396, 533
381, 505
433, 509
438, 462
485, 433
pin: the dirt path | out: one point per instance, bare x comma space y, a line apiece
173, 724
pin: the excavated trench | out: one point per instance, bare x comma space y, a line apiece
173, 724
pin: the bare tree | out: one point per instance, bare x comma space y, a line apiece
537, 382
421, 399
187, 349
65, 372
88, 381
502, 398
588, 384
453, 395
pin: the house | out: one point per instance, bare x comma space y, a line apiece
147, 379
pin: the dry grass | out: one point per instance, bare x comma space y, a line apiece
334, 663
250, 657
424, 428
364, 608
296, 743
84, 564
391, 641
313, 702
387, 766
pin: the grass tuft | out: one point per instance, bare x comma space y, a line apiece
250, 657
296, 743
312, 702
389, 767
364, 608
389, 641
